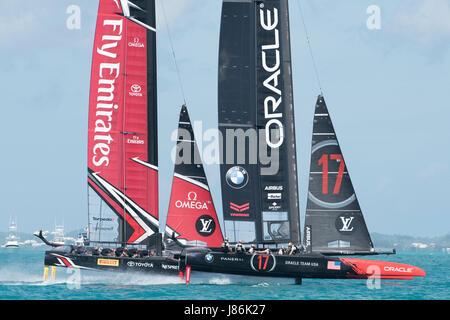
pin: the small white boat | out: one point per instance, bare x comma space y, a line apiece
12, 241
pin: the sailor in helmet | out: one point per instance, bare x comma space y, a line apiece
226, 245
240, 247
292, 249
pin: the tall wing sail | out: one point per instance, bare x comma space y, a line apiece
192, 218
122, 133
334, 222
256, 120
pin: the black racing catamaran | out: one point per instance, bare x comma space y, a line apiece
259, 174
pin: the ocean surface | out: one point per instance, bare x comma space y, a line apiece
21, 278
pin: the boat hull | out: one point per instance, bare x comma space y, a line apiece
296, 266
155, 264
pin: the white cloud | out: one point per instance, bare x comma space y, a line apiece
427, 22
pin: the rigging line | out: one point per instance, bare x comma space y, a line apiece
299, 6
180, 83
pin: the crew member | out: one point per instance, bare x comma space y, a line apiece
252, 249
226, 245
96, 251
240, 247
282, 251
292, 249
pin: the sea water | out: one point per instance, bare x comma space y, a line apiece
21, 278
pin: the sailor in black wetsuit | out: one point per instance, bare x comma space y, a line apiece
292, 249
119, 251
240, 247
226, 246
80, 250
106, 252
96, 251
282, 251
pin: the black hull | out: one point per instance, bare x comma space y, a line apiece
264, 265
307, 265
155, 264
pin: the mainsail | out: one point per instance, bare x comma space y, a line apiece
256, 121
334, 222
191, 218
122, 134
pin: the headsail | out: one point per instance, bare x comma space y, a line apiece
192, 218
256, 120
334, 222
122, 139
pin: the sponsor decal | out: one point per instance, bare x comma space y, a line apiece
108, 71
205, 225
192, 203
346, 224
302, 263
108, 262
239, 209
103, 228
274, 196
135, 90
237, 177
169, 267
334, 265
135, 140
274, 206
263, 262
136, 43
308, 237
269, 19
209, 258
398, 269
273, 188
103, 219
232, 259
133, 264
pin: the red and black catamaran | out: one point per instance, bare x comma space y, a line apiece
259, 191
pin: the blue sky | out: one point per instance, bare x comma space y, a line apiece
387, 91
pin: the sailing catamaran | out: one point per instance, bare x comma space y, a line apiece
260, 203
122, 146
259, 170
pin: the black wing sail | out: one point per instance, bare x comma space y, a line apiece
256, 121
334, 222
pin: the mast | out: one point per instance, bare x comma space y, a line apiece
256, 120
122, 134
192, 217
334, 221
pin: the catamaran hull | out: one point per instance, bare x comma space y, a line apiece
157, 264
297, 266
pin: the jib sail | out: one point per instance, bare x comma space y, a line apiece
256, 121
191, 218
122, 134
334, 221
